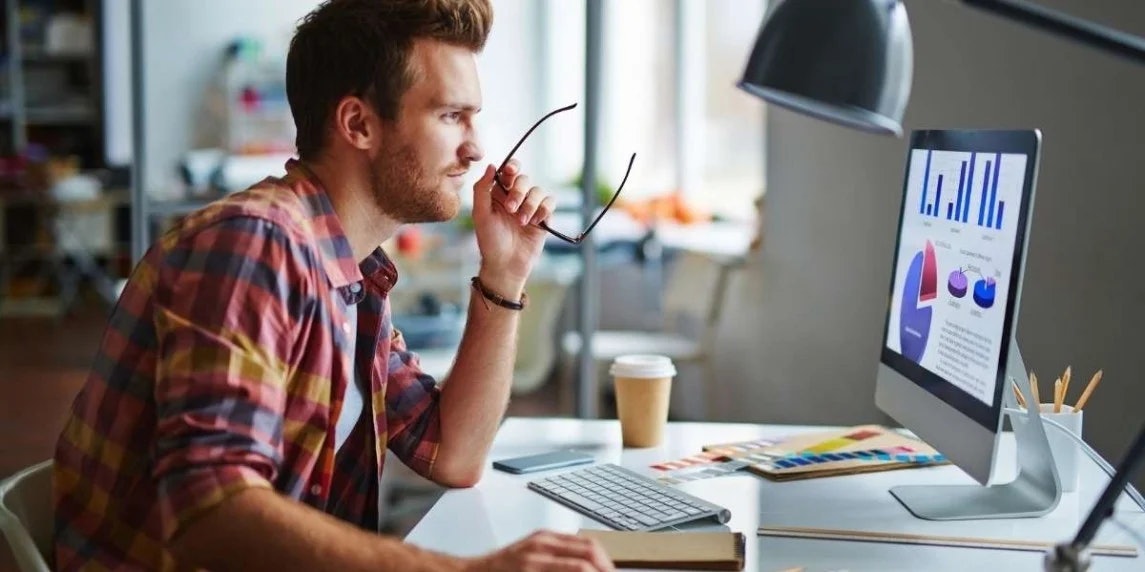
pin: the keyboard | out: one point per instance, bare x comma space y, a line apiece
625, 500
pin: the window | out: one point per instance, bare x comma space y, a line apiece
669, 95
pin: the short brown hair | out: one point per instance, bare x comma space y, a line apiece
361, 48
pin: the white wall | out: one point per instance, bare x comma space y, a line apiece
183, 46
805, 350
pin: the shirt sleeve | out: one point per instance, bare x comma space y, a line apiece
228, 306
413, 413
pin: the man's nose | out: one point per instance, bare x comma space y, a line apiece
471, 151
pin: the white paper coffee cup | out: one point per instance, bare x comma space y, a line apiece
643, 387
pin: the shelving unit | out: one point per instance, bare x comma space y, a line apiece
50, 107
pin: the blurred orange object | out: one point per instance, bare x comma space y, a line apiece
673, 207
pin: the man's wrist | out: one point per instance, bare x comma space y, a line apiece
507, 286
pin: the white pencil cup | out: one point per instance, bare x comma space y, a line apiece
1064, 449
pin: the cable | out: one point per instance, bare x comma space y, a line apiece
1105, 466
1129, 530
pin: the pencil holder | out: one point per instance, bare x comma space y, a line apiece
1064, 449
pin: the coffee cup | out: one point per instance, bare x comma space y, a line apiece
643, 385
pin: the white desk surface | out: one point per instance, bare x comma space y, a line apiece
500, 510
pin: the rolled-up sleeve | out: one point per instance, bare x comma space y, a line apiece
413, 415
228, 308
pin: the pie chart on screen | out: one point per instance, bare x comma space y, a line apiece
921, 286
984, 292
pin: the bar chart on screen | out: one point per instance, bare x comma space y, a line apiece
970, 188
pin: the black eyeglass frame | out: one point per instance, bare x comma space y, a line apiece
569, 239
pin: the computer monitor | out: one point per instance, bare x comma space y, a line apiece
948, 343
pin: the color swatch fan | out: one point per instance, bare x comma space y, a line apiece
848, 451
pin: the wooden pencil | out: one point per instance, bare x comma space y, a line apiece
933, 540
1058, 395
1088, 391
1034, 388
1065, 383
1018, 395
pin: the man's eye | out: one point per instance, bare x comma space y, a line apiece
452, 116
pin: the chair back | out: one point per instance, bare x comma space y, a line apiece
26, 516
537, 333
695, 291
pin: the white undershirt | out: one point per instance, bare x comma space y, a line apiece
353, 402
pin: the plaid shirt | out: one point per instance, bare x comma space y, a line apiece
224, 367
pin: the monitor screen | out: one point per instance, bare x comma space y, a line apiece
955, 273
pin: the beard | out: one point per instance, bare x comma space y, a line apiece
408, 192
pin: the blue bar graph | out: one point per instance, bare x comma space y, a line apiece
982, 203
925, 183
994, 189
969, 189
961, 186
938, 196
990, 209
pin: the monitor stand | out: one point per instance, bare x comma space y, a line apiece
1036, 490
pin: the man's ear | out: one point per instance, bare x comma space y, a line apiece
356, 123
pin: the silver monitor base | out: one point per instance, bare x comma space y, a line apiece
1036, 490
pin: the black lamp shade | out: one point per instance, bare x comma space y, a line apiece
846, 61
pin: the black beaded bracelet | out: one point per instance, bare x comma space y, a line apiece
497, 298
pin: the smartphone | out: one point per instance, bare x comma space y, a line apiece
542, 462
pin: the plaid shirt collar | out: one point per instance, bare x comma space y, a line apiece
337, 256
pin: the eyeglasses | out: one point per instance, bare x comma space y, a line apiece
569, 239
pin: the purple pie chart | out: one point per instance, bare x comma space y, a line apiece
957, 284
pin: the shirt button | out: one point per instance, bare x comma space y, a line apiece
346, 327
356, 287
316, 490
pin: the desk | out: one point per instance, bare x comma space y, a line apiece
499, 510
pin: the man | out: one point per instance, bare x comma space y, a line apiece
250, 380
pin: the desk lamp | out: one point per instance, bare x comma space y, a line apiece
851, 63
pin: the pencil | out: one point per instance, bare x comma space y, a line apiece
1058, 395
1065, 382
1034, 388
1088, 391
931, 540
1018, 395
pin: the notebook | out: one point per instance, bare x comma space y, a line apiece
672, 550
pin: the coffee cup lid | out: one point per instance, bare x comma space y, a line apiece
641, 366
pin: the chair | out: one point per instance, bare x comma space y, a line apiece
536, 351
693, 297
26, 516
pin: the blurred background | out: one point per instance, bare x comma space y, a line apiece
774, 319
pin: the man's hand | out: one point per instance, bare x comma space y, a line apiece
506, 225
543, 551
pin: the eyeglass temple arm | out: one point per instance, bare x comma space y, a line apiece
606, 207
521, 141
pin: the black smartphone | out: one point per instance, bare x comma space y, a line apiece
542, 462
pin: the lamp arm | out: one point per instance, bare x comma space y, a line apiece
1062, 24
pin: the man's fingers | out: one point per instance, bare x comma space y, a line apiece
528, 209
516, 195
548, 206
482, 190
507, 175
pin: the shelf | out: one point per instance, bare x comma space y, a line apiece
60, 115
175, 208
40, 56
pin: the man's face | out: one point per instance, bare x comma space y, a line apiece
417, 173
